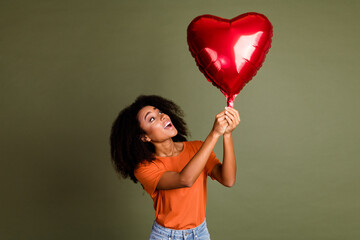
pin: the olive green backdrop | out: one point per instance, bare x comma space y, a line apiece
68, 67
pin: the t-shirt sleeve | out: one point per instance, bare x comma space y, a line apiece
149, 175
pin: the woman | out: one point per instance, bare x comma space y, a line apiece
148, 144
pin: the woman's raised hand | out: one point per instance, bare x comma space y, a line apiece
233, 119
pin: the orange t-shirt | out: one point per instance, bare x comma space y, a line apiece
181, 208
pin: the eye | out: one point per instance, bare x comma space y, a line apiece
151, 119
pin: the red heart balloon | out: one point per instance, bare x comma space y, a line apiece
229, 52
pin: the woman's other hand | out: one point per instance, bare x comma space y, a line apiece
233, 119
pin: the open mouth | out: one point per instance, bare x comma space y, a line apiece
168, 125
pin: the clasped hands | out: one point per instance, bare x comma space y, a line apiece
226, 121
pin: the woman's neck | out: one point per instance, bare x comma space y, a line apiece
168, 148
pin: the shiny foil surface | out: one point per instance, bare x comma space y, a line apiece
230, 52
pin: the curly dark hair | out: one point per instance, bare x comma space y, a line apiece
127, 148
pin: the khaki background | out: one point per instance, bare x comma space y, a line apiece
68, 67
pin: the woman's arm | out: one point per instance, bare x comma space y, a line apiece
225, 173
189, 174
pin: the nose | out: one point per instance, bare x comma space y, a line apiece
162, 116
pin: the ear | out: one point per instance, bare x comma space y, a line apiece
145, 138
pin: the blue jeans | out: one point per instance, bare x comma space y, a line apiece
161, 233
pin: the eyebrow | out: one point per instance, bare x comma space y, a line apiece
148, 113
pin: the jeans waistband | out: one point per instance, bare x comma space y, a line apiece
173, 233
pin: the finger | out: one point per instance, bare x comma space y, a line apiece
224, 122
233, 121
237, 116
232, 117
229, 120
230, 114
220, 114
221, 118
230, 109
235, 113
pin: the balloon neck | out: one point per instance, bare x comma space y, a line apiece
230, 100
230, 103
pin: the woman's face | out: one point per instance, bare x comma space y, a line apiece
156, 124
